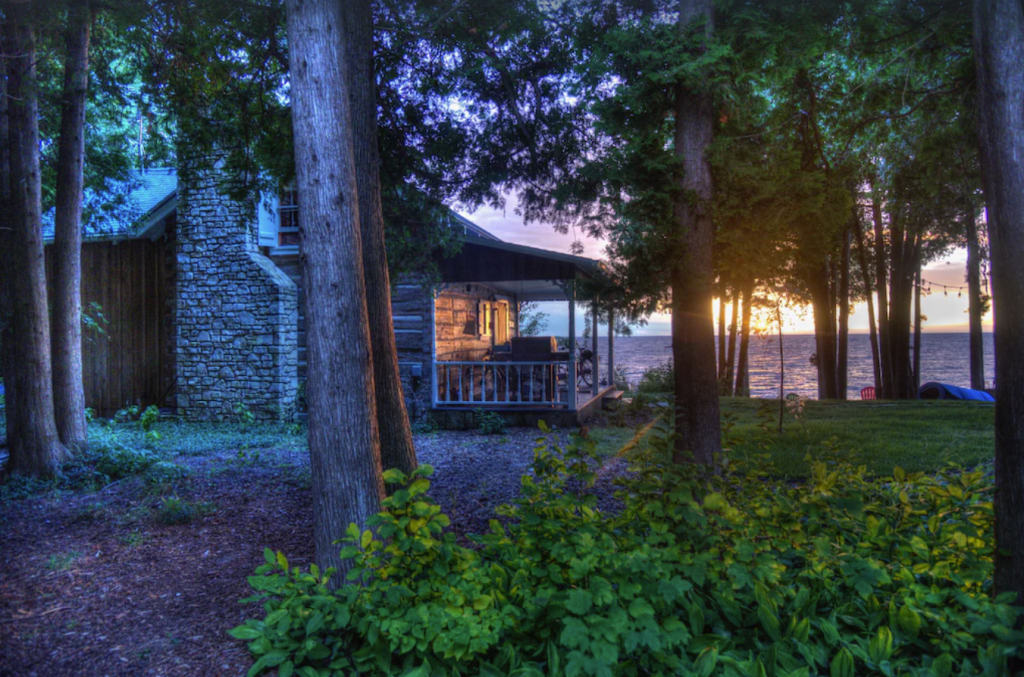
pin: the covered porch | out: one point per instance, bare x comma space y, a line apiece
480, 359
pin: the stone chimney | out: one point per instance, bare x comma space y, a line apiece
236, 312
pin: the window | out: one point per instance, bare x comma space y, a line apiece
484, 321
288, 219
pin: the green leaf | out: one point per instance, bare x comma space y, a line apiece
245, 632
842, 664
640, 608
909, 621
580, 602
880, 646
706, 662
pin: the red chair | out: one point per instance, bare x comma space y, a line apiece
867, 393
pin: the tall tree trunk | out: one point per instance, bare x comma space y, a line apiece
903, 254
730, 360
881, 266
396, 445
974, 301
862, 259
697, 414
68, 391
999, 52
824, 333
743, 363
7, 367
344, 444
721, 338
35, 449
843, 347
917, 331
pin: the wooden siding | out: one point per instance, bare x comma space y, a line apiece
410, 310
132, 281
457, 309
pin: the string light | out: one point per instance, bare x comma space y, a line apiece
926, 287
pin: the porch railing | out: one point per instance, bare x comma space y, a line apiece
511, 384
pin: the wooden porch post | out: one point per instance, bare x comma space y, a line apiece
572, 345
593, 348
433, 347
611, 347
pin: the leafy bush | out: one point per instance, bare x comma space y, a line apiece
699, 574
165, 472
490, 422
174, 510
149, 417
658, 379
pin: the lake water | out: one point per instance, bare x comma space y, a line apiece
944, 358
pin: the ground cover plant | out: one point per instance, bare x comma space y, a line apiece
730, 573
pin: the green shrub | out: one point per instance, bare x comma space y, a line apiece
705, 574
490, 422
149, 417
660, 379
174, 510
165, 472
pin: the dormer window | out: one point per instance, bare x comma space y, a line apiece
288, 219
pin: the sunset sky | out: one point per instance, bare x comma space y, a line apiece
944, 313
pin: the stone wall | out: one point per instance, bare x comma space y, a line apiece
236, 312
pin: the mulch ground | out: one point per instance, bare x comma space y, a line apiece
139, 597
93, 584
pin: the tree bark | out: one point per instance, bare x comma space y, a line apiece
344, 444
824, 333
730, 359
917, 330
721, 337
697, 414
742, 366
843, 346
974, 301
396, 445
68, 391
35, 449
7, 367
881, 266
904, 251
862, 259
999, 52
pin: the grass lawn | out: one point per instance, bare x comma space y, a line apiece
917, 436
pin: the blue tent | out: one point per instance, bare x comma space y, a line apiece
944, 391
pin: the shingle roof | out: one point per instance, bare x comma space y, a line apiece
116, 211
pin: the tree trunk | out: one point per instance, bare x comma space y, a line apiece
881, 266
697, 414
743, 363
344, 445
824, 333
999, 52
917, 331
35, 449
843, 347
721, 339
903, 255
862, 259
396, 445
974, 301
7, 367
730, 360
68, 391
